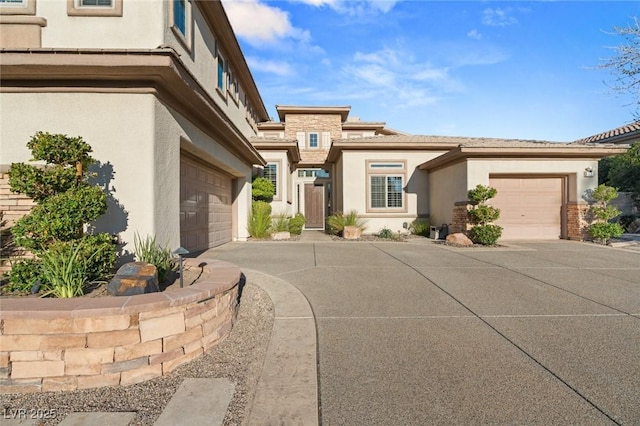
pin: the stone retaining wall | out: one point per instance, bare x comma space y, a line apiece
66, 344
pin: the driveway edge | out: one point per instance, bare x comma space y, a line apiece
287, 390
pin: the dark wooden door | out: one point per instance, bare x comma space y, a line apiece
314, 205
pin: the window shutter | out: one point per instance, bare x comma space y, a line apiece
326, 140
300, 136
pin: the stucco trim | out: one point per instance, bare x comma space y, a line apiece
74, 9
293, 152
125, 71
356, 145
23, 20
565, 152
283, 110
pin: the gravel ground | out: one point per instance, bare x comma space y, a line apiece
238, 358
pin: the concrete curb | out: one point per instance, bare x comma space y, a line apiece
287, 390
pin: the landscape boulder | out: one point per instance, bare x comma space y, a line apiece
459, 239
351, 233
134, 278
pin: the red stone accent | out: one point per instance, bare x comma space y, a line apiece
460, 218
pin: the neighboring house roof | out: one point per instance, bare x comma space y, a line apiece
622, 135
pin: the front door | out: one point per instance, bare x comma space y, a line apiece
314, 205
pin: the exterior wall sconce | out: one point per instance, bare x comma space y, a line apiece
588, 172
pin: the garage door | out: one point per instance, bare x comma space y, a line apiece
530, 208
205, 205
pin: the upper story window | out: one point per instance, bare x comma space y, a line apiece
94, 7
222, 75
313, 140
181, 21
17, 7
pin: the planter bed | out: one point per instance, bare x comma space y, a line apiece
66, 344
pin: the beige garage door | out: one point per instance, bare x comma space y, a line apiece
530, 208
205, 205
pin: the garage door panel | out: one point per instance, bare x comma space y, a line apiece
530, 208
205, 205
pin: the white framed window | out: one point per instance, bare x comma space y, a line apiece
17, 7
180, 11
313, 140
94, 7
385, 186
271, 171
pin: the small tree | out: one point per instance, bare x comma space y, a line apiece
482, 215
66, 203
262, 192
602, 212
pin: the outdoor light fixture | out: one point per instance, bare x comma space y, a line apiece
180, 251
588, 172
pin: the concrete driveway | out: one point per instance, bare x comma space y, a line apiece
419, 333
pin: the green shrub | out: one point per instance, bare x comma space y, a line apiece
149, 251
259, 219
486, 235
280, 223
481, 215
64, 271
602, 212
420, 227
604, 231
23, 275
337, 221
60, 217
386, 233
262, 189
296, 224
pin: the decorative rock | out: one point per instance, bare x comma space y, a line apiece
351, 232
459, 239
279, 236
134, 278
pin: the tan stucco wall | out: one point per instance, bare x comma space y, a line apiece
354, 183
120, 132
139, 27
446, 186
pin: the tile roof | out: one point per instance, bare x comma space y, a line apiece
622, 134
444, 140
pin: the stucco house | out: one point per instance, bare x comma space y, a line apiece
321, 161
162, 92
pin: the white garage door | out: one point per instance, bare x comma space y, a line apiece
205, 205
530, 208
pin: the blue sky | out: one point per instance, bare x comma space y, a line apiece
508, 69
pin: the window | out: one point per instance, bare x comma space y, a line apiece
18, 7
180, 16
313, 140
94, 7
271, 173
386, 185
221, 74
181, 21
313, 173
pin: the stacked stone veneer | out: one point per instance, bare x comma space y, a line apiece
577, 221
13, 206
67, 344
295, 123
460, 217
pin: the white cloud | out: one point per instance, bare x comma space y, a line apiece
354, 7
258, 23
498, 17
282, 69
474, 34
